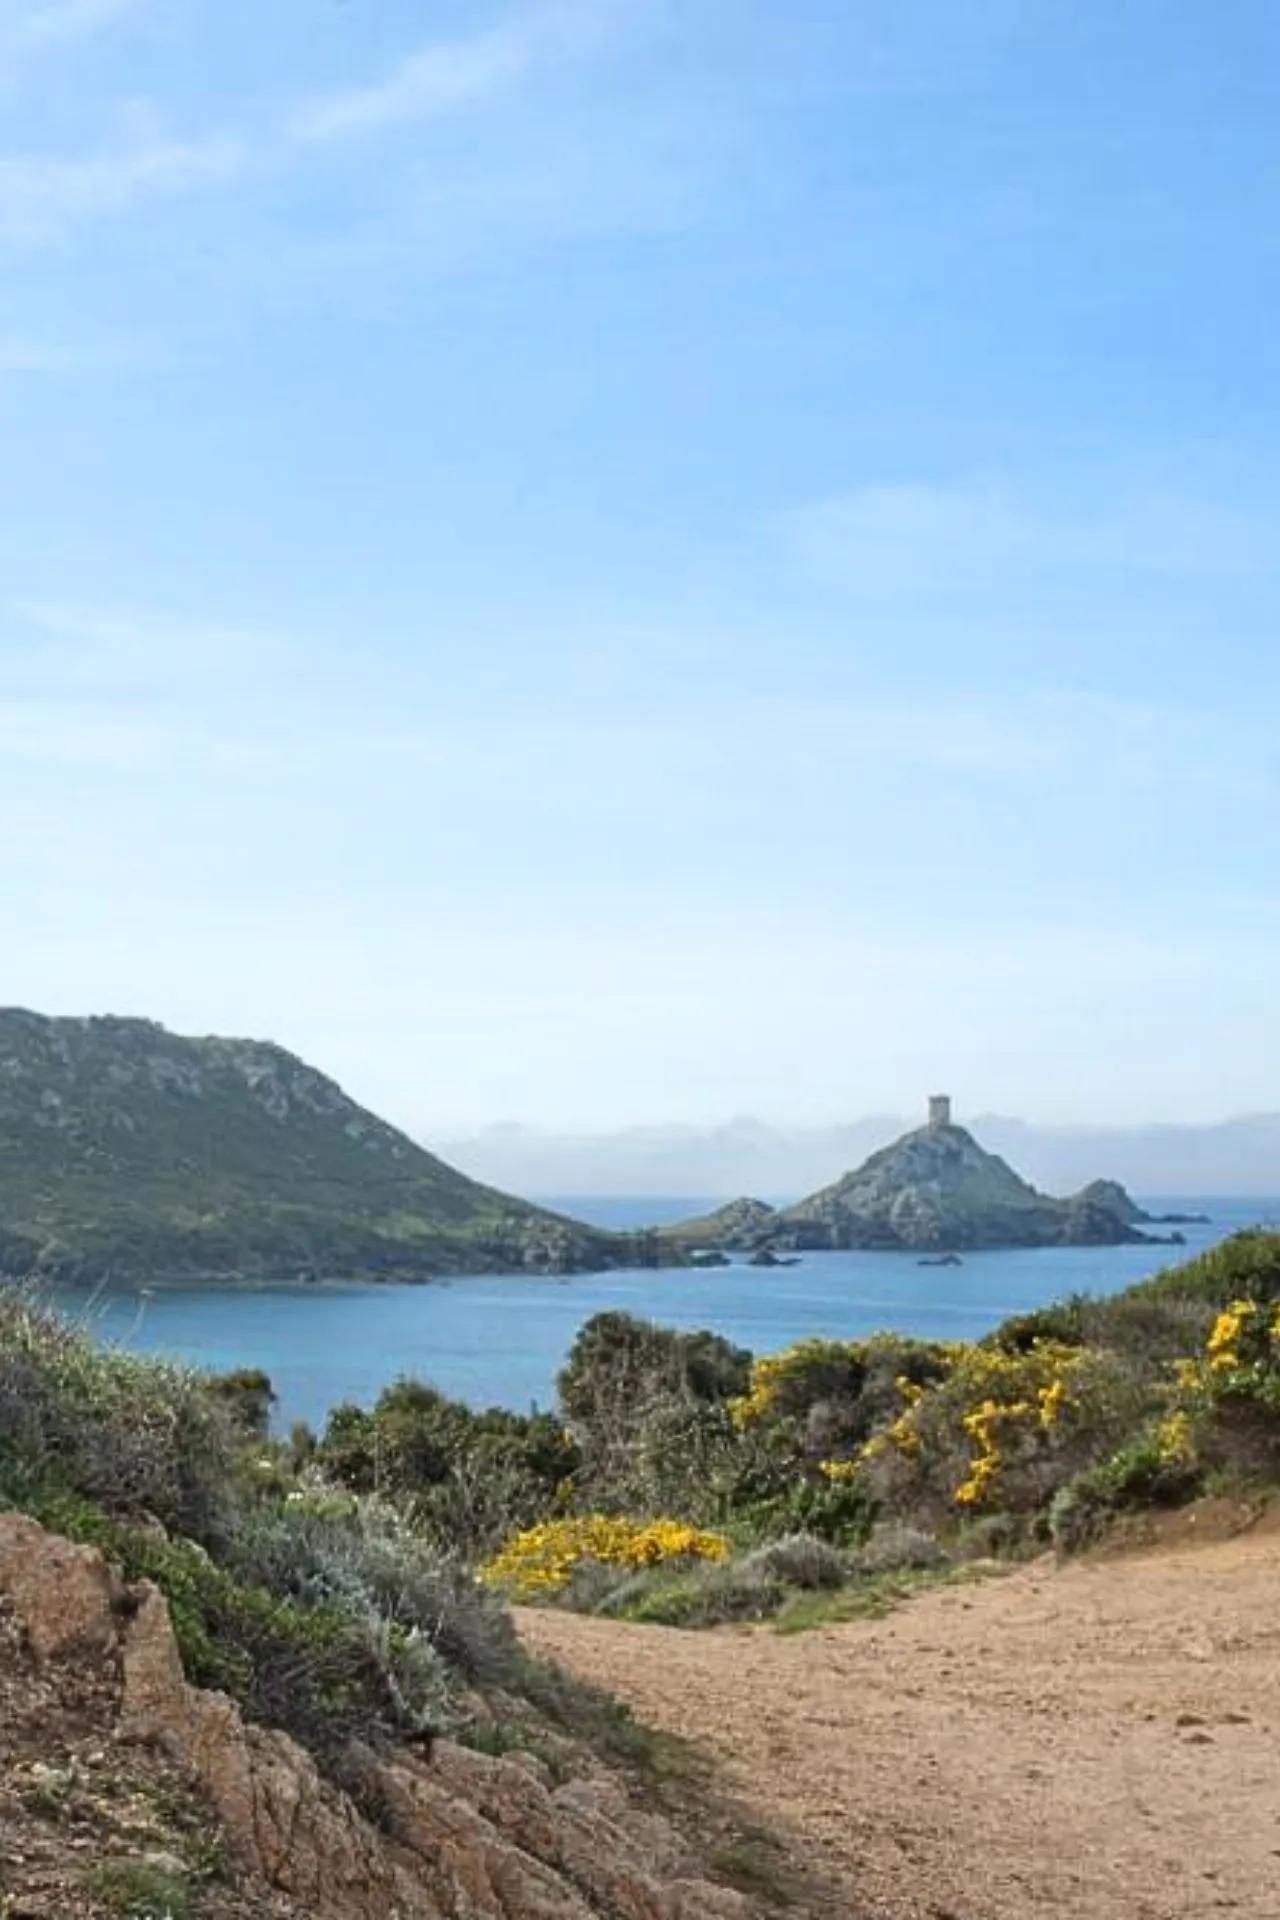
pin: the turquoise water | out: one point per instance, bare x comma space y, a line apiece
500, 1340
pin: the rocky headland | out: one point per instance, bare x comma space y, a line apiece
934, 1190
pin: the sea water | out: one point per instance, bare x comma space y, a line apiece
501, 1339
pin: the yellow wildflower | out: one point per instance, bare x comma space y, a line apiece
1223, 1345
1053, 1400
542, 1560
1173, 1439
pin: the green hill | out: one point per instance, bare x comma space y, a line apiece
130, 1152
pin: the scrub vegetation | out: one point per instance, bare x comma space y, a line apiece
355, 1584
684, 1480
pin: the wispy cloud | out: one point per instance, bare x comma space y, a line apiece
19, 356
104, 650
41, 198
59, 21
448, 75
977, 534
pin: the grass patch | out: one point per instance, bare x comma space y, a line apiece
877, 1595
754, 1863
140, 1889
696, 1597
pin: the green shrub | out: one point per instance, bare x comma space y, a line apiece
1145, 1472
896, 1548
1246, 1265
324, 1669
136, 1435
830, 1395
647, 1409
1003, 1431
471, 1477
1146, 1328
618, 1366
704, 1596
320, 1611
841, 1512
798, 1560
248, 1396
140, 1889
754, 1586
1064, 1321
365, 1559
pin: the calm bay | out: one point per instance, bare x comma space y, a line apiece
500, 1339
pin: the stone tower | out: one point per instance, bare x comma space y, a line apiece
939, 1110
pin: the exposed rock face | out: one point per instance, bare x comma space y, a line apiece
742, 1223
937, 1188
463, 1836
129, 1151
62, 1592
1110, 1197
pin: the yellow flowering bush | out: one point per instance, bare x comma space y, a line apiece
900, 1436
1034, 1398
1241, 1360
860, 1377
1002, 1428
811, 1366
541, 1561
1215, 1412
1230, 1328
818, 1415
941, 1427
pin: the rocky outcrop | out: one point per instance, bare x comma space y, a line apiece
1114, 1198
937, 1188
933, 1190
460, 1835
740, 1224
62, 1593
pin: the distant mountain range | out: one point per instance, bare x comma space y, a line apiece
1237, 1156
130, 1152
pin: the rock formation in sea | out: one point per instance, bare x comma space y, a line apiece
934, 1190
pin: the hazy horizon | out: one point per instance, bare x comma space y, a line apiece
1238, 1155
601, 560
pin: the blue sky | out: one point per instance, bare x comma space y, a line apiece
607, 560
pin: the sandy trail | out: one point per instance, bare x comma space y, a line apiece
1097, 1742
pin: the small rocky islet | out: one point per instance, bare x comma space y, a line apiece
935, 1191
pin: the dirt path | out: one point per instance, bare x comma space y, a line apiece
1100, 1742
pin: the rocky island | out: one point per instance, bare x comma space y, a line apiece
934, 1190
131, 1153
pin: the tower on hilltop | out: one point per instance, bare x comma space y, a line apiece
939, 1110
